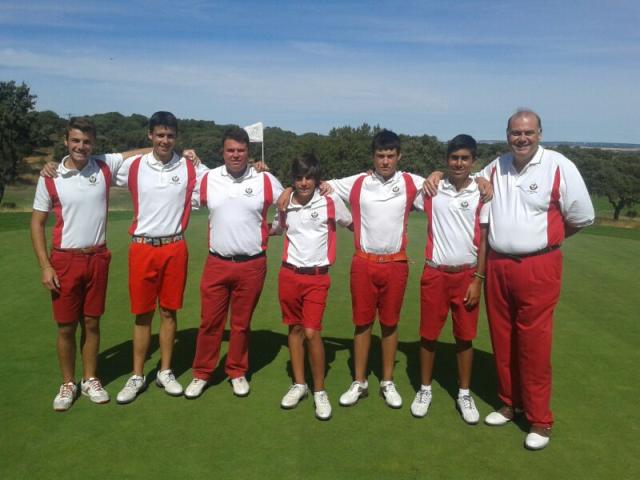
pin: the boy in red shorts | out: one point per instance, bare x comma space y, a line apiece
76, 271
303, 283
453, 272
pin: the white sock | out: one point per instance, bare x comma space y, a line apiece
426, 388
300, 385
462, 392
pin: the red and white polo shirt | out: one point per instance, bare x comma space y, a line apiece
79, 200
529, 209
380, 209
454, 218
311, 230
161, 194
237, 209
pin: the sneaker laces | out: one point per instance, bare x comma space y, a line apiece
170, 377
390, 388
321, 398
355, 387
293, 391
467, 402
424, 396
66, 390
93, 384
133, 383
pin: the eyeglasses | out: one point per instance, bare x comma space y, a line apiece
520, 133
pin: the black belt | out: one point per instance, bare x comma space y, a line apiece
306, 270
238, 258
518, 257
157, 241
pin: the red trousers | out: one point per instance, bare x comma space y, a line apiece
520, 297
234, 286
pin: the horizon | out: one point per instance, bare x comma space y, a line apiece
426, 67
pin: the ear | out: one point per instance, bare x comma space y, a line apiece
399, 157
150, 135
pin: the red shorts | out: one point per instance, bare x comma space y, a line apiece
157, 275
303, 298
83, 284
377, 287
439, 292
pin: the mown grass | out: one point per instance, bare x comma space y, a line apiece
595, 370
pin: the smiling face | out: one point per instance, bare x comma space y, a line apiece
459, 163
304, 187
385, 162
523, 136
236, 156
79, 145
164, 140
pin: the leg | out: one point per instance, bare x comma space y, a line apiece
464, 355
361, 346
389, 344
168, 326
296, 351
427, 357
66, 347
141, 341
316, 357
89, 345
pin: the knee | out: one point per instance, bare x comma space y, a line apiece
91, 325
311, 335
296, 331
67, 332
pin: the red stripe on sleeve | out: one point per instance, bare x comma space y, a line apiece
268, 200
132, 182
106, 173
56, 234
331, 230
555, 221
411, 196
354, 201
428, 211
191, 184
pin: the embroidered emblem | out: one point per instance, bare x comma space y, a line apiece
93, 179
464, 204
175, 179
395, 189
314, 215
533, 187
248, 190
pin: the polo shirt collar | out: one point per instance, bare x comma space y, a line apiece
536, 160
248, 173
382, 180
64, 171
315, 199
156, 164
449, 188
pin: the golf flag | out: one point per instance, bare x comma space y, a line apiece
255, 132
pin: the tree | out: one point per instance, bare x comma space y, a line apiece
16, 129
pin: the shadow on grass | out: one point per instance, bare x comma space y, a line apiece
117, 361
484, 383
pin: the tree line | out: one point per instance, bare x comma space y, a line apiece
343, 151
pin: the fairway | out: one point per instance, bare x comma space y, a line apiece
595, 358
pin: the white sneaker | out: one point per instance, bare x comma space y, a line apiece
537, 438
135, 385
165, 379
195, 388
390, 394
240, 386
93, 389
65, 397
356, 391
501, 416
468, 410
323, 407
420, 404
293, 396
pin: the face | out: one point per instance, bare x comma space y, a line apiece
459, 164
163, 140
524, 137
385, 162
79, 145
236, 156
304, 188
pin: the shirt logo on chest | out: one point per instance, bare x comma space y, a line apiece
248, 192
314, 215
175, 180
395, 189
464, 205
92, 180
533, 188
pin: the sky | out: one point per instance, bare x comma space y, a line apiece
416, 67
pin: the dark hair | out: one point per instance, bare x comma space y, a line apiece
385, 140
521, 112
236, 133
163, 119
462, 141
306, 165
84, 124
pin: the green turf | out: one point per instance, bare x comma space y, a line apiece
219, 436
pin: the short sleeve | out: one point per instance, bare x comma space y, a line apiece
42, 201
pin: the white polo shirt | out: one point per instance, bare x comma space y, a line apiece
454, 218
529, 209
380, 209
311, 230
237, 209
79, 200
160, 193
